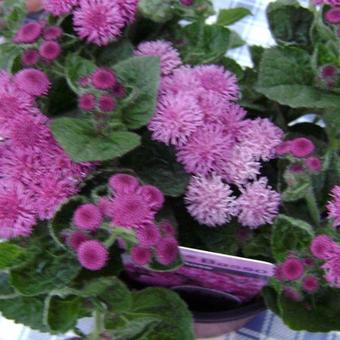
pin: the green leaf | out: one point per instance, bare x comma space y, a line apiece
63, 314
271, 299
115, 52
82, 143
156, 164
141, 75
205, 44
28, 311
286, 76
44, 273
289, 22
5, 287
156, 313
229, 16
8, 54
232, 66
75, 68
199, 9
156, 10
11, 255
290, 234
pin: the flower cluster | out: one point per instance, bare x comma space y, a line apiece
333, 207
101, 88
98, 21
302, 150
198, 115
37, 176
43, 38
132, 206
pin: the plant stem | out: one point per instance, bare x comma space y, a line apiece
111, 240
312, 206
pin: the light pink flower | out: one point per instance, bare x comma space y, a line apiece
92, 255
209, 200
98, 21
169, 56
332, 268
88, 217
176, 119
258, 204
32, 81
333, 206
28, 33
322, 246
59, 7
128, 9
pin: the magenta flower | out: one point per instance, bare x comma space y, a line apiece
85, 81
206, 150
332, 268
141, 255
75, 239
187, 2
313, 163
28, 33
128, 9
167, 228
92, 255
148, 235
258, 204
333, 206
292, 294
17, 215
59, 7
328, 71
301, 147
292, 269
50, 50
107, 103
103, 79
296, 168
321, 246
152, 195
52, 32
87, 102
88, 217
310, 284
215, 78
169, 56
30, 57
167, 250
176, 119
209, 200
122, 183
98, 21
333, 15
104, 204
32, 81
283, 148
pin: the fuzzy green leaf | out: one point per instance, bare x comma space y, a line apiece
82, 143
11, 255
156, 10
141, 75
229, 16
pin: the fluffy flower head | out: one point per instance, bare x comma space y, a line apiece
92, 255
87, 102
59, 7
140, 255
75, 239
301, 147
30, 57
122, 183
103, 79
28, 33
333, 206
321, 246
167, 250
292, 269
50, 50
52, 32
88, 216
32, 81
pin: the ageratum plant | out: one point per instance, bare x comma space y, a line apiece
125, 127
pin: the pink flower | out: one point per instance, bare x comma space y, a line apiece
283, 148
50, 50
30, 57
118, 90
103, 79
296, 168
59, 7
292, 269
321, 246
87, 102
148, 235
328, 71
88, 217
333, 15
176, 119
333, 206
32, 81
167, 250
75, 239
187, 2
104, 204
167, 228
17, 215
292, 294
152, 195
52, 33
169, 56
258, 204
301, 147
28, 33
209, 200
122, 183
215, 78
310, 284
332, 268
98, 21
128, 9
206, 150
140, 255
85, 81
313, 163
261, 137
92, 255
107, 103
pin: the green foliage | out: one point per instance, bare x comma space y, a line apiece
229, 16
83, 143
11, 255
8, 54
290, 234
141, 75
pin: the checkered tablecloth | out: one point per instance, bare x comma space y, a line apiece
254, 30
